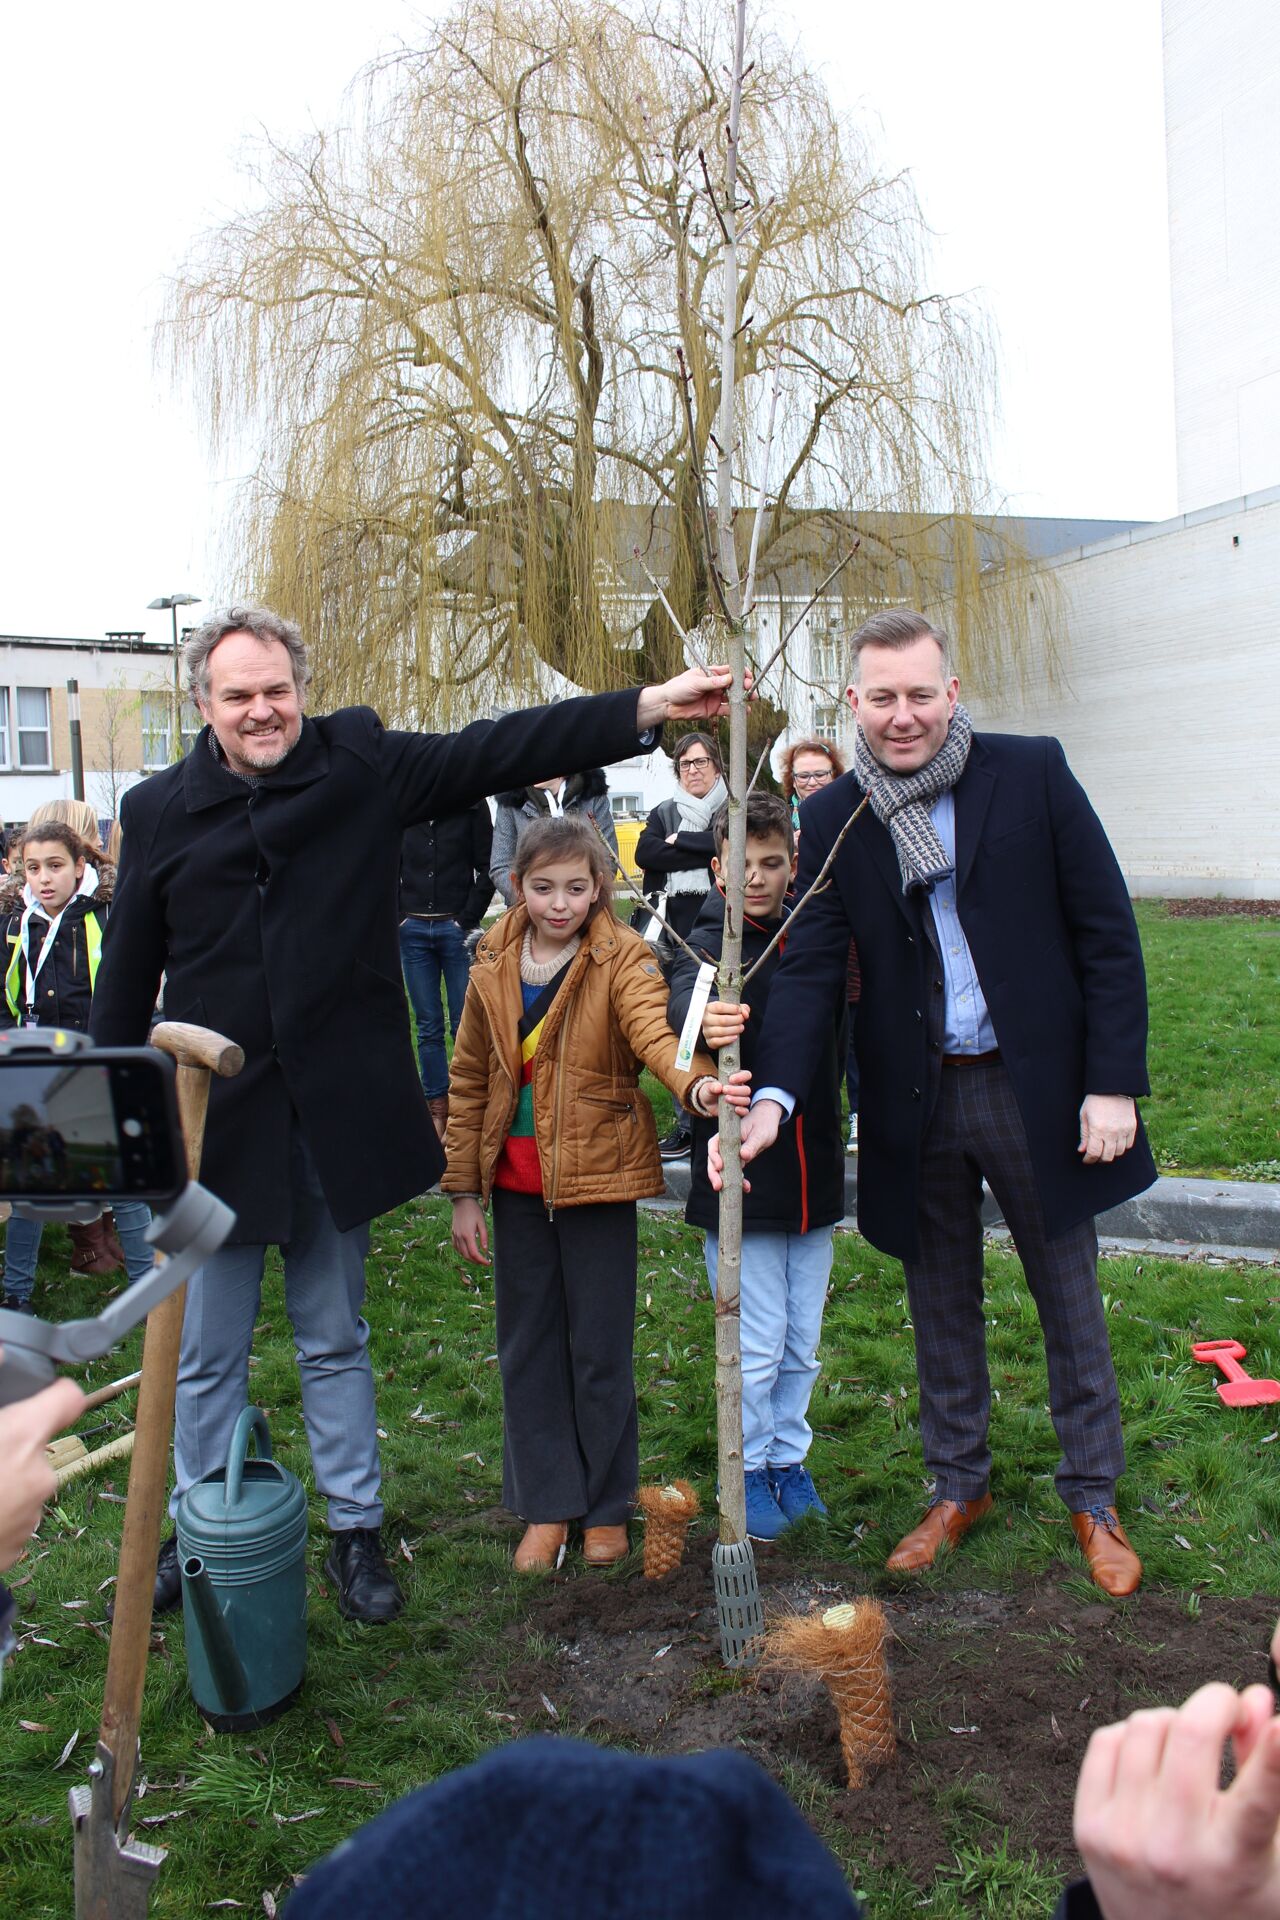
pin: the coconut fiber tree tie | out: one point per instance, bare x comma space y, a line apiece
667, 1512
844, 1647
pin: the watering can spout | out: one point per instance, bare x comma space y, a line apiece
225, 1666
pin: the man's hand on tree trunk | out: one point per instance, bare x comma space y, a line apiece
759, 1130
697, 694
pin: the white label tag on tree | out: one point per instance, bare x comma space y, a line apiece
693, 1019
655, 929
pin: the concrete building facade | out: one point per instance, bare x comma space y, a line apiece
1155, 664
126, 718
1222, 127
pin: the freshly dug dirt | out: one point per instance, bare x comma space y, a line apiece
995, 1694
1223, 909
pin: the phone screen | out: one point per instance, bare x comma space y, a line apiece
81, 1128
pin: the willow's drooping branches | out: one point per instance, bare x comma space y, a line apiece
447, 335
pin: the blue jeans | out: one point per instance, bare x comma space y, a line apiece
23, 1237
324, 1298
784, 1289
432, 951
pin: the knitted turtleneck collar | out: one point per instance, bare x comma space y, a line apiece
537, 973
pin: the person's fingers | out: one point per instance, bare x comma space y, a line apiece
1095, 1789
52, 1409
1142, 1750
1256, 1710
1251, 1805
1191, 1760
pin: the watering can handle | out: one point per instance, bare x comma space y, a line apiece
252, 1421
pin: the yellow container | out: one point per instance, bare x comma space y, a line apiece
628, 832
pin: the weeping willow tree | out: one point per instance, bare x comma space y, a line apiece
455, 330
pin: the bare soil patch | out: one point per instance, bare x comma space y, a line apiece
995, 1693
1199, 909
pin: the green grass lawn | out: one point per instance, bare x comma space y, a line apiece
1214, 1050
1215, 1043
384, 1710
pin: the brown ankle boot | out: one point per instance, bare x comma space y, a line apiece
439, 1111
89, 1250
111, 1239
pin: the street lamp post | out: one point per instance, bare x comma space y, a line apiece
77, 745
173, 601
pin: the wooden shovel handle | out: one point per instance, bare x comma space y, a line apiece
199, 1053
198, 1047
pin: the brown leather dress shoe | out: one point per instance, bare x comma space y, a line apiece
1113, 1564
945, 1524
542, 1546
604, 1546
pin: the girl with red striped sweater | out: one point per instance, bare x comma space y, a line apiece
547, 1122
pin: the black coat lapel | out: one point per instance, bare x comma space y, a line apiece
879, 843
973, 793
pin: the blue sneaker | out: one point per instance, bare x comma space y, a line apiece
794, 1491
765, 1518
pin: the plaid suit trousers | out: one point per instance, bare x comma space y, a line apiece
976, 1130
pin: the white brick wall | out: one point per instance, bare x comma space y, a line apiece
1222, 118
1168, 695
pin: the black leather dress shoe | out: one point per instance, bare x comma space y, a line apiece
168, 1588
367, 1589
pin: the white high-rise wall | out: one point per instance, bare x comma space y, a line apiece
1222, 120
1166, 696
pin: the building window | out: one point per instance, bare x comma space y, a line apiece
828, 657
157, 729
5, 760
35, 745
624, 806
826, 723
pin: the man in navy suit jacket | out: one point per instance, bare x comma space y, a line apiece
1001, 1035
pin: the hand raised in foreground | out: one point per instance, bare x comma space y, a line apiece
1160, 1838
470, 1232
26, 1428
1108, 1127
759, 1130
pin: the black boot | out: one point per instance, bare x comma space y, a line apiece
168, 1589
366, 1586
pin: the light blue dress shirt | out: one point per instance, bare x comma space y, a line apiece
966, 1019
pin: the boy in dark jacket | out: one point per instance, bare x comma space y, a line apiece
796, 1197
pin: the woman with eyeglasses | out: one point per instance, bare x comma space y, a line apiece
675, 852
807, 766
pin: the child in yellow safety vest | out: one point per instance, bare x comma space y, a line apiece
52, 945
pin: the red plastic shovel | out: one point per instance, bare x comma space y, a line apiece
1238, 1389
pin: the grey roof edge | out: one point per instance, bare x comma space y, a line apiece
1162, 529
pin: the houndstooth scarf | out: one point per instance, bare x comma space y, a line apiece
901, 801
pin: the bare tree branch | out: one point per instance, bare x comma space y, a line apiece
818, 885
809, 606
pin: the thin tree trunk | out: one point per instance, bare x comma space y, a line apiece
733, 1517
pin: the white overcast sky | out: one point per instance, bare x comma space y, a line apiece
1035, 136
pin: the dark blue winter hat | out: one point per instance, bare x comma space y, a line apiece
558, 1828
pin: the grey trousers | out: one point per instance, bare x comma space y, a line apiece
565, 1294
324, 1294
975, 1130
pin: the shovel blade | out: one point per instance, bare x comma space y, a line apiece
1248, 1393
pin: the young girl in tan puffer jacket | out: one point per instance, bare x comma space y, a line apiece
547, 1121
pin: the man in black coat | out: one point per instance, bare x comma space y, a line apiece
260, 877
1001, 1034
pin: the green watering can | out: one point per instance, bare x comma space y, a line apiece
242, 1536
